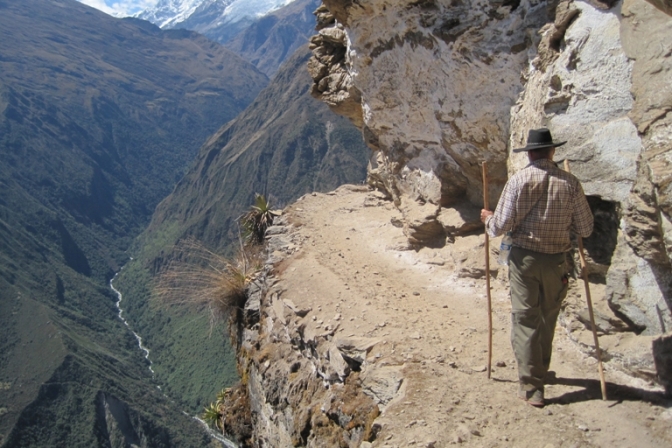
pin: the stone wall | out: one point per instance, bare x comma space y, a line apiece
439, 86
302, 385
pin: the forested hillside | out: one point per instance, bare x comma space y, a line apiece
98, 119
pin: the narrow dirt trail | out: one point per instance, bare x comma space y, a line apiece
354, 271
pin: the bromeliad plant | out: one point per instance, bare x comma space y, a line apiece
213, 417
259, 218
213, 414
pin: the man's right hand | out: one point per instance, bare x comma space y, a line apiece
484, 214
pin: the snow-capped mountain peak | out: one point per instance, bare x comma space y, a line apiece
170, 13
239, 9
167, 13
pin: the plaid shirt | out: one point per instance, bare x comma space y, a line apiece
540, 205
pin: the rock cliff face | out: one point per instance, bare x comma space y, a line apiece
438, 86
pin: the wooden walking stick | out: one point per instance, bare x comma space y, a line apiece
584, 275
487, 267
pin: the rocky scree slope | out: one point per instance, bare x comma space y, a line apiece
438, 87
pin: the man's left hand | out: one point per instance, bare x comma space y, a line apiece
484, 214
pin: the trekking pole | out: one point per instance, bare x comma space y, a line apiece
487, 267
584, 275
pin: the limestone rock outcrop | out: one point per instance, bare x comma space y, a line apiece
329, 68
437, 87
436, 82
598, 93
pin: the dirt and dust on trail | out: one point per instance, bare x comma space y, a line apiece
427, 310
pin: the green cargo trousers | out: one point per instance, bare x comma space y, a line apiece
538, 287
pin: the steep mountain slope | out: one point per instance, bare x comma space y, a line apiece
98, 118
271, 39
284, 144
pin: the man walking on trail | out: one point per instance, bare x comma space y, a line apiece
540, 205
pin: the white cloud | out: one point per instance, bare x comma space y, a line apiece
122, 8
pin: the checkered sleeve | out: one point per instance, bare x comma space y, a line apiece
504, 217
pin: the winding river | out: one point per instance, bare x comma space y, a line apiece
137, 336
215, 435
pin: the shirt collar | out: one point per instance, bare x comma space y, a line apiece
543, 163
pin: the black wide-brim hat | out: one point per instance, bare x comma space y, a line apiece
539, 139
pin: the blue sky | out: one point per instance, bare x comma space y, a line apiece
120, 8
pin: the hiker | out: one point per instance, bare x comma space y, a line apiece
540, 205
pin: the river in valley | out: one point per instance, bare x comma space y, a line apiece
215, 435
121, 316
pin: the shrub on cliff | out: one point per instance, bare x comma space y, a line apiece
230, 414
257, 220
199, 277
212, 414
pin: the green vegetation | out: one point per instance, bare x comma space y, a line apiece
257, 220
94, 132
213, 413
184, 312
188, 332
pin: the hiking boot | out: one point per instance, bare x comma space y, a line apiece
532, 397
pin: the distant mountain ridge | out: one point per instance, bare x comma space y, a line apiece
272, 39
204, 15
264, 32
98, 118
169, 12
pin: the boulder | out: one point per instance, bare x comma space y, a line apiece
356, 348
460, 219
382, 383
421, 225
633, 291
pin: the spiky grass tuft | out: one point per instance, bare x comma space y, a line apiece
199, 277
212, 415
257, 219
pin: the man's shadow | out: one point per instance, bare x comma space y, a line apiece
591, 390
